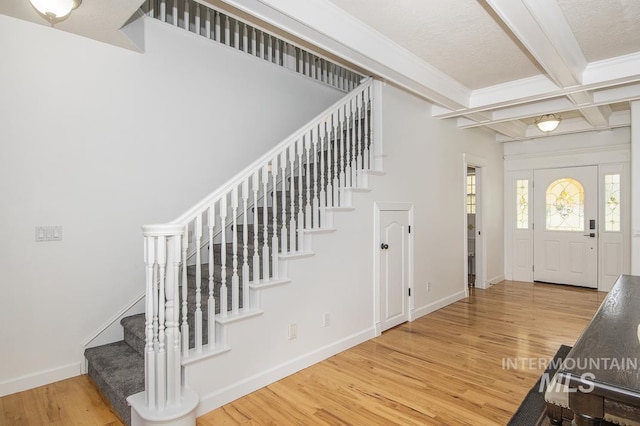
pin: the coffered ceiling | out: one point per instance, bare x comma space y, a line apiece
494, 64
520, 59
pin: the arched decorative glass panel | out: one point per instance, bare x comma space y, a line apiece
612, 202
565, 205
522, 204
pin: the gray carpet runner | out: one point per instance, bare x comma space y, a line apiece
118, 371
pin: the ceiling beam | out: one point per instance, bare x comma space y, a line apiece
623, 67
542, 29
587, 102
512, 129
502, 94
574, 125
597, 116
581, 98
323, 24
601, 89
480, 116
519, 112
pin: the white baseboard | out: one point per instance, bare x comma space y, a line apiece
489, 282
438, 304
230, 393
496, 279
41, 378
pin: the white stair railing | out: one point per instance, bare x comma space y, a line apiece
203, 19
230, 241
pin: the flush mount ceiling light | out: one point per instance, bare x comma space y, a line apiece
55, 10
548, 122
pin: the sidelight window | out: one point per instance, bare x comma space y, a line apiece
522, 204
612, 202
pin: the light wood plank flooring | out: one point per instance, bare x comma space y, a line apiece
69, 402
443, 369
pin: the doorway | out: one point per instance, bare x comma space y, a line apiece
393, 247
565, 233
471, 206
475, 266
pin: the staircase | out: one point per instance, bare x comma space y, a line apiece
206, 269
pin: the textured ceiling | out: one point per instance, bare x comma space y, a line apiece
604, 28
460, 38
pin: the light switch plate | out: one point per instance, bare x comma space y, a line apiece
48, 233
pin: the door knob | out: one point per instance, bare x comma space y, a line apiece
384, 246
591, 235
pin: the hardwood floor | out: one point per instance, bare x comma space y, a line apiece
443, 369
69, 402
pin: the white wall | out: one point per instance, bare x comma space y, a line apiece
102, 140
424, 166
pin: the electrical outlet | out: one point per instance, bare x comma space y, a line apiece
428, 285
326, 319
293, 331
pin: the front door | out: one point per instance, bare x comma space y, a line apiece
565, 231
394, 268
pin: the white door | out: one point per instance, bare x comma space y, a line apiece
394, 268
565, 229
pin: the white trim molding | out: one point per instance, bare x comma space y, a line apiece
40, 378
469, 160
569, 157
438, 304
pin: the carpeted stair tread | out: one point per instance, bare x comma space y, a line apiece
134, 332
118, 370
134, 329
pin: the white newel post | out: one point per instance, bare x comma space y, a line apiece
164, 401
